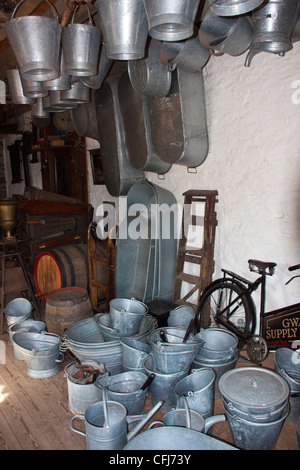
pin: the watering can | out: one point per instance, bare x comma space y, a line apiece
106, 425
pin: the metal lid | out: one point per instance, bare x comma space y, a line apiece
253, 387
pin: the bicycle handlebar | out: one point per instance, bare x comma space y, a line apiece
293, 268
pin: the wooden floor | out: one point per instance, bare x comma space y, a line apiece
35, 415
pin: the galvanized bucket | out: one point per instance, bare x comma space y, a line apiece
126, 315
162, 387
249, 435
134, 353
217, 343
232, 36
33, 89
78, 93
35, 41
15, 87
171, 20
40, 351
17, 310
81, 394
63, 82
181, 316
198, 391
105, 63
174, 437
287, 365
233, 7
124, 25
81, 47
25, 325
171, 358
126, 388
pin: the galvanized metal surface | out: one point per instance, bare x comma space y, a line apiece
233, 7
15, 87
126, 315
17, 310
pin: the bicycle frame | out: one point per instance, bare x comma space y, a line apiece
279, 327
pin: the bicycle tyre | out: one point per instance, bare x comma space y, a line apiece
215, 298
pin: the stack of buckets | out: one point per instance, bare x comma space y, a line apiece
218, 350
256, 403
169, 360
287, 364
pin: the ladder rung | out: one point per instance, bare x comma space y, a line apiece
189, 278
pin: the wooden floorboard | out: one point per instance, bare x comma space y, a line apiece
35, 414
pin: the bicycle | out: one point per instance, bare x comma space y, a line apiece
227, 303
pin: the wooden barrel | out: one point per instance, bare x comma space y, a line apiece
66, 306
61, 266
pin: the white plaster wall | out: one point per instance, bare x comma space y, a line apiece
253, 162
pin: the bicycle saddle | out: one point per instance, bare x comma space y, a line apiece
262, 267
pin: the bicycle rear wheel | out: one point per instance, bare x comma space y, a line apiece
226, 301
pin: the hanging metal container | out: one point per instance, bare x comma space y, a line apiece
273, 25
189, 56
124, 25
48, 107
16, 88
84, 118
78, 93
63, 82
57, 102
233, 7
232, 36
37, 109
171, 20
33, 89
35, 41
81, 47
105, 63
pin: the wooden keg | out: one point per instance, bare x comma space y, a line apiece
61, 266
66, 306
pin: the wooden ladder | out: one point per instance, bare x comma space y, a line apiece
202, 256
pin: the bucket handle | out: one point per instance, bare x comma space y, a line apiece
72, 427
61, 357
54, 11
89, 14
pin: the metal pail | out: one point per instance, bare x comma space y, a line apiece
63, 82
171, 358
113, 436
134, 353
181, 316
171, 20
250, 435
26, 325
81, 47
287, 365
35, 41
149, 75
40, 351
233, 7
124, 25
15, 87
227, 35
125, 388
198, 391
126, 315
82, 395
33, 89
220, 366
217, 343
37, 109
17, 310
95, 81
78, 93
162, 387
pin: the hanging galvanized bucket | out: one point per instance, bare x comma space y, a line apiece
81, 47
16, 88
171, 20
233, 7
63, 82
78, 93
33, 89
35, 41
124, 25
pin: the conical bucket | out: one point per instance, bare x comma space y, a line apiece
126, 388
81, 47
35, 41
78, 93
125, 29
17, 310
37, 109
171, 20
33, 89
105, 63
198, 391
126, 315
287, 365
15, 87
134, 353
63, 82
233, 7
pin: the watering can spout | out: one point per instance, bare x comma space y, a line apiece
211, 420
144, 420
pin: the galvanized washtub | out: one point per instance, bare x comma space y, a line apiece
175, 438
40, 351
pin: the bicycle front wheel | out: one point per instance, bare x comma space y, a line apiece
226, 301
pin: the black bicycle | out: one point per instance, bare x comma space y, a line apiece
227, 302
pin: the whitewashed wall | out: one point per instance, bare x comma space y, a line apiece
253, 162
